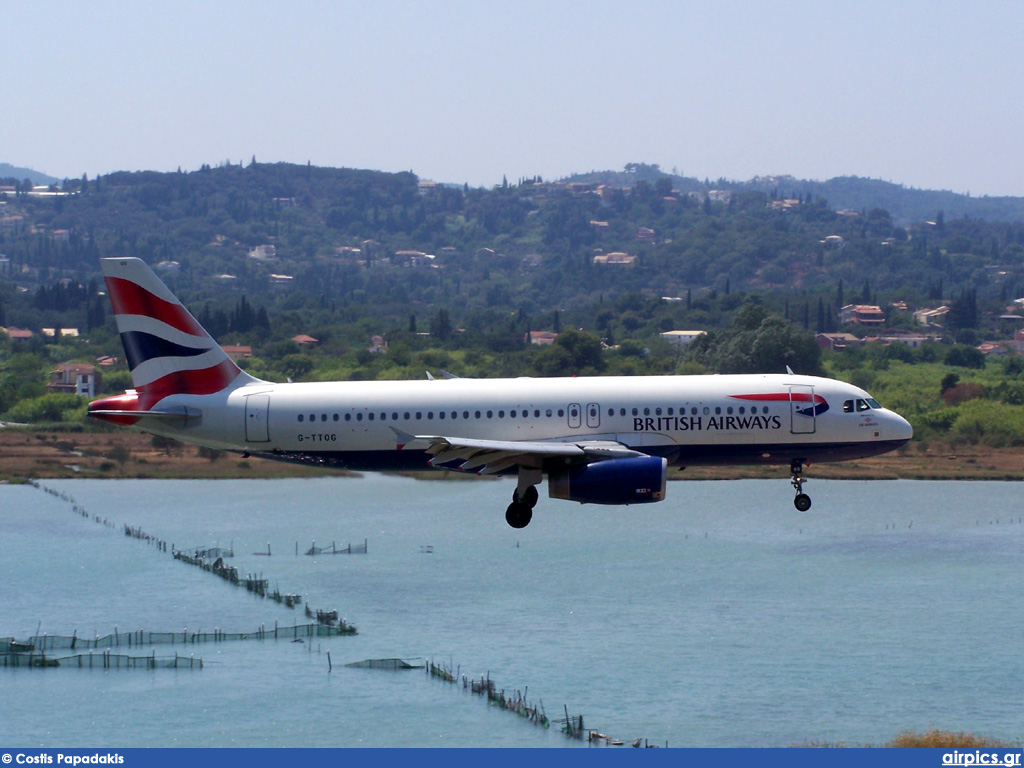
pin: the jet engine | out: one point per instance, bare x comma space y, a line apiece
638, 480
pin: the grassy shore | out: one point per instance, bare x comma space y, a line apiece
40, 453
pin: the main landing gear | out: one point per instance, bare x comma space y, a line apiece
520, 511
802, 502
524, 498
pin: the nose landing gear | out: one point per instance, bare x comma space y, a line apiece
802, 502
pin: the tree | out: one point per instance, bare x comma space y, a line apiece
574, 353
441, 327
757, 342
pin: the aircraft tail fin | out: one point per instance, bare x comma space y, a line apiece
167, 350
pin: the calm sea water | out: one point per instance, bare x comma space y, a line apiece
721, 617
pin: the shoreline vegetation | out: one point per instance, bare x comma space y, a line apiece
41, 453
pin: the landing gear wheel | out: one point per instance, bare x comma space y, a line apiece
518, 515
530, 497
802, 502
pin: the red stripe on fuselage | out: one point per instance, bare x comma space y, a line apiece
782, 397
129, 298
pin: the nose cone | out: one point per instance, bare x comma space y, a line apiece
899, 428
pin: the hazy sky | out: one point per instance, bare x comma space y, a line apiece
927, 94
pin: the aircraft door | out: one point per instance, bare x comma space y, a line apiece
593, 415
256, 409
575, 415
801, 409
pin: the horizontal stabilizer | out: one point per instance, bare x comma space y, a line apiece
150, 414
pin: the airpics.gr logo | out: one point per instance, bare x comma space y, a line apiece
977, 757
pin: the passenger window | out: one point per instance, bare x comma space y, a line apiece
742, 410
511, 414
636, 412
359, 417
394, 416
671, 410
693, 411
647, 411
848, 406
548, 413
301, 417
561, 412
465, 414
501, 414
729, 409
476, 414
335, 417
718, 411
657, 411
348, 417
369, 416
430, 415
440, 414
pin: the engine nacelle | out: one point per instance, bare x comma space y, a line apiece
637, 480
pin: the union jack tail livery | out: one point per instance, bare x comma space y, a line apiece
168, 351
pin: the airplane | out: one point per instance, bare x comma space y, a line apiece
598, 440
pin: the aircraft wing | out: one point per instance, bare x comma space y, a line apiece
486, 457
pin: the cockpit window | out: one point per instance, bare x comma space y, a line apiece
849, 406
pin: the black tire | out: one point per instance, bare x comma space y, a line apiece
802, 502
518, 515
531, 496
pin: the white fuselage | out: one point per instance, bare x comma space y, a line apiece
742, 419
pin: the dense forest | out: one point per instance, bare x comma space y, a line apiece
456, 278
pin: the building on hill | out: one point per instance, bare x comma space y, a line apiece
616, 258
17, 334
681, 338
931, 316
838, 341
541, 338
862, 314
412, 259
266, 252
305, 341
75, 379
237, 351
